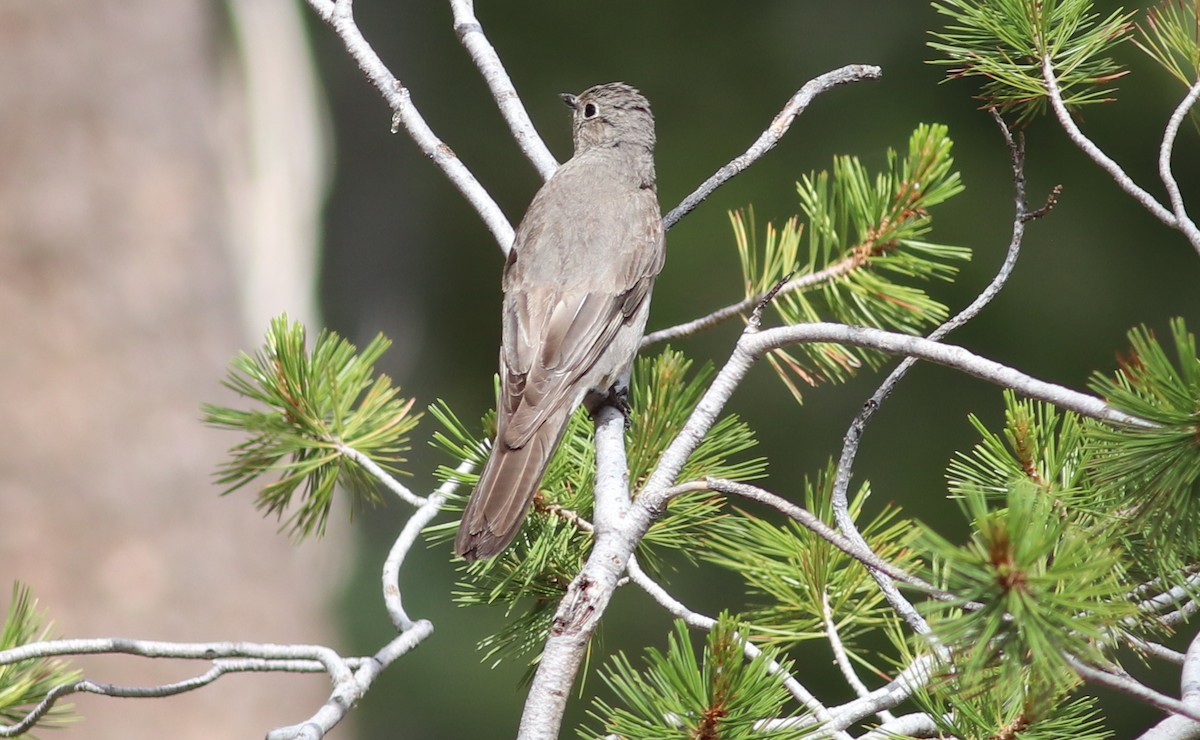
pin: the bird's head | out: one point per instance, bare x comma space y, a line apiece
610, 114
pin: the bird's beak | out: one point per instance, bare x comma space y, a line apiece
569, 99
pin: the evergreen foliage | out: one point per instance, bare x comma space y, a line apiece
24, 684
1006, 41
866, 247
1171, 36
792, 575
315, 403
722, 695
1079, 536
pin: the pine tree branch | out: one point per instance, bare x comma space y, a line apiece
1155, 650
773, 133
589, 593
618, 528
220, 667
470, 33
339, 15
404, 542
853, 437
348, 693
1177, 727
226, 658
948, 355
1169, 599
352, 677
1185, 612
835, 270
920, 673
754, 344
1176, 218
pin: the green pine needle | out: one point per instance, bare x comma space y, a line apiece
23, 685
1004, 42
314, 404
1155, 470
1040, 444
866, 247
790, 571
679, 697
1049, 585
1171, 37
995, 713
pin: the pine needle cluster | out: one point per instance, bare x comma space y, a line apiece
1171, 36
312, 405
23, 685
676, 696
793, 576
1153, 471
1073, 524
866, 249
1006, 41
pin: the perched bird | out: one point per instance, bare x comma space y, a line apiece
576, 295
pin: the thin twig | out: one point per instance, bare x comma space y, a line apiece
917, 724
1180, 615
470, 33
1154, 649
1184, 224
1051, 202
347, 693
404, 542
1126, 684
1177, 727
948, 355
833, 271
916, 675
1173, 596
841, 657
809, 520
340, 17
351, 677
380, 474
771, 136
333, 664
1124, 181
219, 668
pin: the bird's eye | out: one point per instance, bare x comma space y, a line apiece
589, 110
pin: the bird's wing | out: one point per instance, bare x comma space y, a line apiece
555, 331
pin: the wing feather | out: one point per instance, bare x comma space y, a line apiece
556, 330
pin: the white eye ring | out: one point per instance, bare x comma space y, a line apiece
590, 110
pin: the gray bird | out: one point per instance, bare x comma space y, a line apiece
576, 295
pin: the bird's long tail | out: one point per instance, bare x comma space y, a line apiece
506, 486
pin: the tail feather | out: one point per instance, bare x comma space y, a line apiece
506, 486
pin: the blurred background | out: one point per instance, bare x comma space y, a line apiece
175, 172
